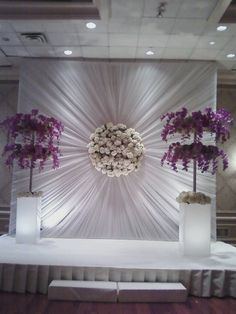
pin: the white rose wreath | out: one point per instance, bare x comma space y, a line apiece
115, 149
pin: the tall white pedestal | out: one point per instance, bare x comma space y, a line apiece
195, 229
28, 217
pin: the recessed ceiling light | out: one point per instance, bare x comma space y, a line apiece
230, 55
212, 43
149, 53
91, 25
221, 28
67, 52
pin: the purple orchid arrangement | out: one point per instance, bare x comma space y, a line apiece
32, 139
194, 125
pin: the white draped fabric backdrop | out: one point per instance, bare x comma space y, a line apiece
80, 202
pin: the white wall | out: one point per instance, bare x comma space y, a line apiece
8, 107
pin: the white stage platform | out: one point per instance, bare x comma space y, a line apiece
31, 268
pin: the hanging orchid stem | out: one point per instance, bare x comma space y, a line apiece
203, 156
31, 166
39, 140
195, 168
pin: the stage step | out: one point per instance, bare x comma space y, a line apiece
87, 291
107, 291
151, 292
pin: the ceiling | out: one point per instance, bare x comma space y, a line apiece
126, 30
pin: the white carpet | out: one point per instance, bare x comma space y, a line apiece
113, 253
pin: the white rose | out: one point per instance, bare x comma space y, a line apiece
109, 143
106, 158
91, 150
127, 162
117, 143
98, 130
110, 174
109, 125
121, 126
130, 155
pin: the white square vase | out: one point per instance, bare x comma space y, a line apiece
28, 219
195, 229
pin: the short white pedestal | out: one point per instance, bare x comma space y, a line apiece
151, 292
195, 229
85, 291
28, 214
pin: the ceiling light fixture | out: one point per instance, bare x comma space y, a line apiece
91, 25
230, 55
212, 43
221, 28
149, 53
67, 52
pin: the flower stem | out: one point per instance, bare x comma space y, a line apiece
194, 175
195, 167
31, 178
31, 166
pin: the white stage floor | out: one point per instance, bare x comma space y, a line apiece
113, 253
31, 268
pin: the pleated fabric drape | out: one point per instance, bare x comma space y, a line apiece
78, 201
36, 278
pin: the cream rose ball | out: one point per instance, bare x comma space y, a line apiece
115, 150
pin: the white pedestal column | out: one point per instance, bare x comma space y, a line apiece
195, 229
28, 217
